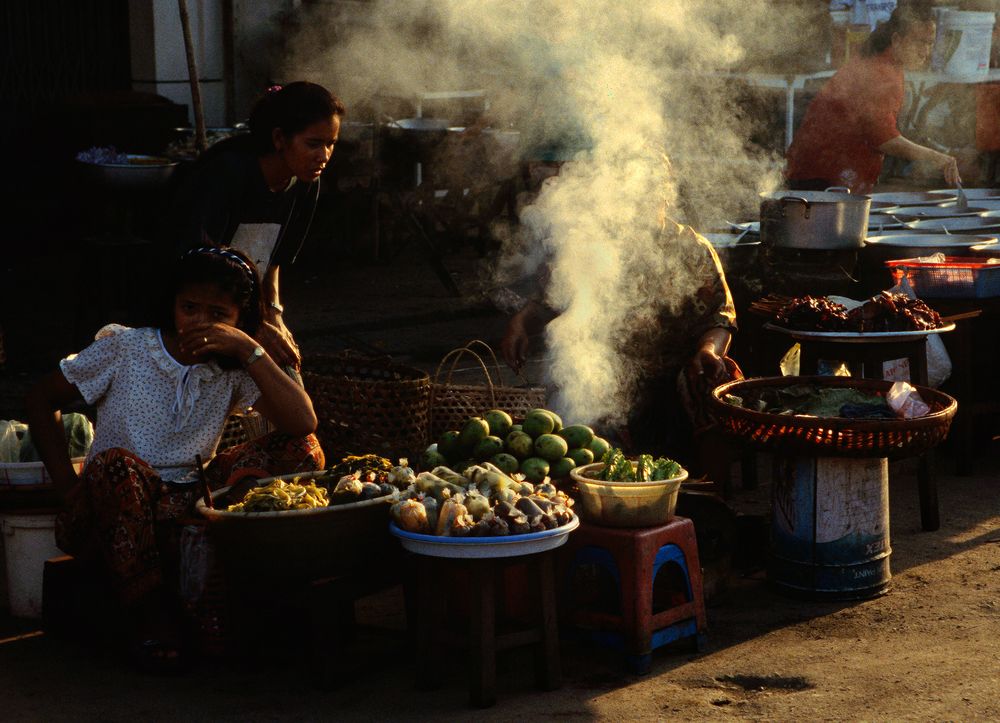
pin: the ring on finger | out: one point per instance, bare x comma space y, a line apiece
204, 339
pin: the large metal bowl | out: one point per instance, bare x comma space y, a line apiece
141, 173
984, 225
911, 198
972, 194
301, 544
917, 213
906, 246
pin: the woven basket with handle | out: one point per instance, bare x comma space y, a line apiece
368, 405
451, 404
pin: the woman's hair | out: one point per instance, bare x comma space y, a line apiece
228, 269
292, 108
907, 14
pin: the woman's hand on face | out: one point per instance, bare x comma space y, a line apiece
205, 339
277, 341
707, 363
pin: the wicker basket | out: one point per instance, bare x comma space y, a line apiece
368, 405
833, 436
242, 428
452, 404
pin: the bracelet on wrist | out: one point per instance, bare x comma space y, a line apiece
256, 354
276, 306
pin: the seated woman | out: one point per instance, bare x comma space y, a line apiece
679, 361
851, 124
163, 394
258, 192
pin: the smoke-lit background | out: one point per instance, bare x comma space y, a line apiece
635, 91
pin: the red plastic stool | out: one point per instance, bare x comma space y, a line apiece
634, 558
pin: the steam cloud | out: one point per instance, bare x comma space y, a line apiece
632, 84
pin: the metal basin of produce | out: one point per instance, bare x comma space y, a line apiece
301, 544
625, 504
814, 219
141, 173
985, 224
917, 213
972, 194
912, 198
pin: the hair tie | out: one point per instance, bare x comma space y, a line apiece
272, 89
227, 254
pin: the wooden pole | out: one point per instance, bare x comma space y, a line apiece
200, 140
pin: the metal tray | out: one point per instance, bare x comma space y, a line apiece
859, 337
484, 547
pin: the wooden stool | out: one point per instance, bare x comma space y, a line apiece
433, 575
634, 558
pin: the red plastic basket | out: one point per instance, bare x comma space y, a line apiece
955, 278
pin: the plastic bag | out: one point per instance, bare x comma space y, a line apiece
938, 361
10, 440
905, 401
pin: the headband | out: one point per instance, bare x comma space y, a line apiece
227, 254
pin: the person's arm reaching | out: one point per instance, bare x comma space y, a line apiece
707, 360
530, 320
903, 148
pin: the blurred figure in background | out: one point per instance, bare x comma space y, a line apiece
851, 125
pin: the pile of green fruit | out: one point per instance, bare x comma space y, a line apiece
539, 447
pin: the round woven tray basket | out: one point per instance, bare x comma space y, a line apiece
368, 405
833, 436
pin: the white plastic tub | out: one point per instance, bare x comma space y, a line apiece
963, 42
30, 473
28, 540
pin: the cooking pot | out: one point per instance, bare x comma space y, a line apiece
830, 219
913, 198
983, 224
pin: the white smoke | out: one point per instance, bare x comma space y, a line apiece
624, 85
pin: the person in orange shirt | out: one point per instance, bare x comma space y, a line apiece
851, 124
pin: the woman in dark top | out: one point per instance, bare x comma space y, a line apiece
258, 193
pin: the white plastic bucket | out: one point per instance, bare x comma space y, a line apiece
30, 473
29, 540
963, 42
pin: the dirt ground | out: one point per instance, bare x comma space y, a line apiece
927, 650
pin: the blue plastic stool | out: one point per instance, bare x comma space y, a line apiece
633, 558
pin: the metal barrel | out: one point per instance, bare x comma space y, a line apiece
830, 527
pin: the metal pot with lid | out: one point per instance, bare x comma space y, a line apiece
833, 219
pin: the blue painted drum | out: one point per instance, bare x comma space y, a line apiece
830, 527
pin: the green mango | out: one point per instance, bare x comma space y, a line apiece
475, 430
581, 456
487, 447
561, 467
551, 447
449, 446
538, 422
506, 463
535, 469
577, 436
520, 445
500, 423
600, 447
